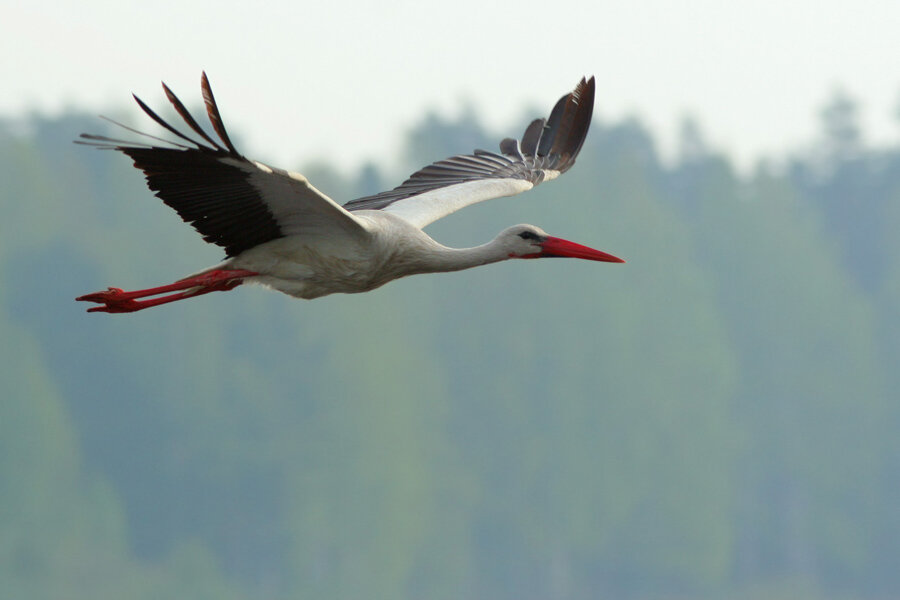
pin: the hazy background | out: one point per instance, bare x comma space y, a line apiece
715, 419
341, 81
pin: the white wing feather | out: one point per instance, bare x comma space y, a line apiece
296, 204
428, 207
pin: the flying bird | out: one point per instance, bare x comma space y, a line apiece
280, 231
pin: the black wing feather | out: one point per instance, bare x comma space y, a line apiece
532, 136
185, 114
213, 111
510, 147
570, 126
551, 127
215, 196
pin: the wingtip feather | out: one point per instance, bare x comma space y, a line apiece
213, 111
188, 118
160, 121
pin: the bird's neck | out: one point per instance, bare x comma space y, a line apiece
442, 258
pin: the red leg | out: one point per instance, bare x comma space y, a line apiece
115, 300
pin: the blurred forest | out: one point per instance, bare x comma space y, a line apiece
717, 418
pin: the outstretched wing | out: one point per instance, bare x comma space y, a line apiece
547, 149
233, 202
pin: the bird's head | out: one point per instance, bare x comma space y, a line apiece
528, 241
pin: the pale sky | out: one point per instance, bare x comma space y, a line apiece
341, 82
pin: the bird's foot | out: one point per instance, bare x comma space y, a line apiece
116, 300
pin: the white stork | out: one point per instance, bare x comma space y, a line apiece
280, 231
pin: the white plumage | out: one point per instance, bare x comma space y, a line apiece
280, 231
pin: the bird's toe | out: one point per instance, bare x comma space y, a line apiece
108, 295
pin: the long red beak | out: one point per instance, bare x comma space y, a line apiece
554, 246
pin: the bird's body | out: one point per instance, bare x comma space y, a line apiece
281, 232
319, 264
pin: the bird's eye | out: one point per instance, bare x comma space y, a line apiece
528, 235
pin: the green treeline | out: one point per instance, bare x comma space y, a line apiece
717, 418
